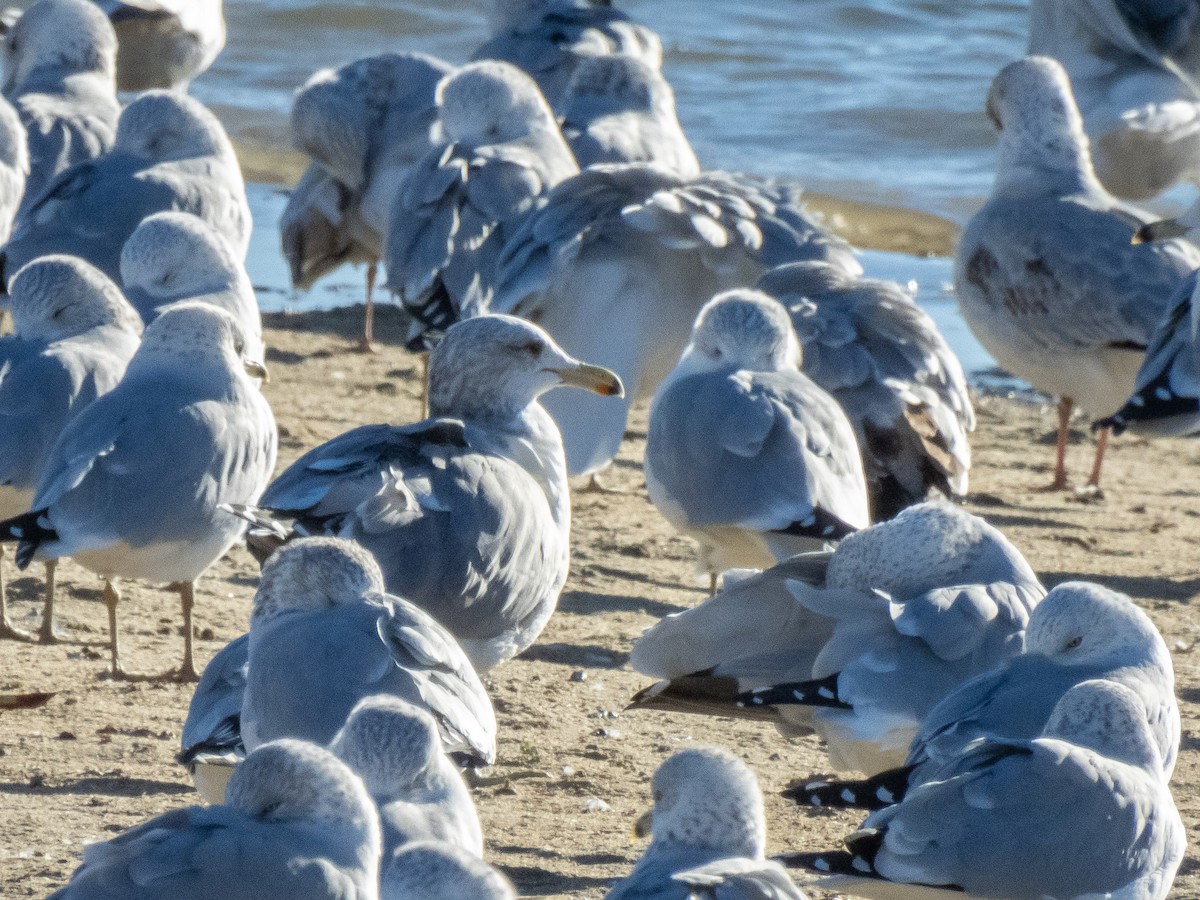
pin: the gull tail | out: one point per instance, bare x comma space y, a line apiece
853, 871
871, 793
30, 530
268, 530
225, 741
702, 693
818, 692
821, 524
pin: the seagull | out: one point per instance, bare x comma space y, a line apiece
1080, 810
174, 256
296, 823
429, 870
744, 453
1135, 67
365, 126
1046, 275
618, 262
395, 747
133, 485
170, 154
164, 43
858, 643
468, 512
617, 109
550, 39
883, 359
211, 745
707, 808
59, 65
324, 636
459, 205
14, 166
74, 336
1080, 631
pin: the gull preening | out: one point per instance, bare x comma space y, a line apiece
74, 336
164, 43
468, 512
324, 636
746, 454
134, 484
170, 154
296, 823
1046, 273
883, 359
858, 644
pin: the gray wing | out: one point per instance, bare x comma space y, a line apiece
653, 877
765, 451
1166, 25
631, 137
213, 724
320, 230
37, 393
740, 879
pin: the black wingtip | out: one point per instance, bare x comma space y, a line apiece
817, 692
873, 793
30, 530
821, 524
1115, 422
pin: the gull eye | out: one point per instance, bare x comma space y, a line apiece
534, 348
1073, 642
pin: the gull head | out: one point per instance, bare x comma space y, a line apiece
742, 329
162, 126
58, 297
200, 337
1084, 624
432, 870
315, 573
1109, 718
493, 367
491, 102
616, 83
59, 38
392, 745
1031, 104
292, 781
706, 797
173, 255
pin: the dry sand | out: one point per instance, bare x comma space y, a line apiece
99, 757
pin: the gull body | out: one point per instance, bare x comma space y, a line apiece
428, 870
165, 43
211, 746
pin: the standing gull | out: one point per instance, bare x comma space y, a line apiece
550, 39
620, 259
744, 453
1079, 632
59, 63
858, 644
164, 43
617, 109
396, 749
133, 486
427, 870
296, 824
1046, 275
883, 359
171, 154
74, 336
1081, 810
459, 205
707, 808
323, 636
468, 512
365, 126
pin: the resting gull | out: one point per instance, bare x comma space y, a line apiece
170, 154
1079, 632
74, 336
324, 636
883, 359
14, 166
858, 644
620, 259
59, 64
460, 204
1081, 810
296, 823
395, 748
745, 453
211, 743
549, 39
1046, 275
365, 126
468, 512
707, 808
133, 486
164, 43
427, 870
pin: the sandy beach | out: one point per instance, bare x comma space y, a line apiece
574, 768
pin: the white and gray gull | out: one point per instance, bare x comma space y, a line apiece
296, 823
857, 644
468, 512
746, 454
165, 43
1046, 274
171, 154
134, 484
429, 870
74, 336
14, 166
500, 152
881, 356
